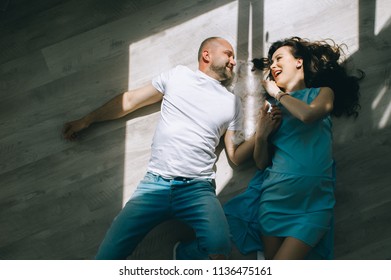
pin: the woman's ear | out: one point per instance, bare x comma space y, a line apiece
299, 63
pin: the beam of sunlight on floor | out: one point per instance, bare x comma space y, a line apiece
179, 44
314, 20
250, 32
160, 52
379, 97
383, 15
385, 117
381, 105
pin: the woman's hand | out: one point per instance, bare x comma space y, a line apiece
269, 120
271, 87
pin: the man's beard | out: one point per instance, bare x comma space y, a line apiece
225, 76
228, 82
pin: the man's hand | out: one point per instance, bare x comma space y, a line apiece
71, 129
116, 108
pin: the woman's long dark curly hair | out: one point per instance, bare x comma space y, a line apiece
322, 68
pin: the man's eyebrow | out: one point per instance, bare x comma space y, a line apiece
229, 52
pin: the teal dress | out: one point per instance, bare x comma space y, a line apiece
295, 195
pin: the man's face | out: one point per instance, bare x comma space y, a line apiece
223, 61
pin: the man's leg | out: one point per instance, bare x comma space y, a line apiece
148, 206
196, 204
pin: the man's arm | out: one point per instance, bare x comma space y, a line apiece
265, 127
116, 108
237, 154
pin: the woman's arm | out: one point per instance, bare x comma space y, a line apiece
307, 113
268, 123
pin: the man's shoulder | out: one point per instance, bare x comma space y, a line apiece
181, 67
179, 70
172, 72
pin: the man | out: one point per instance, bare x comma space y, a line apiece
196, 111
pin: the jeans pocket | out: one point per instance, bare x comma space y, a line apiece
149, 178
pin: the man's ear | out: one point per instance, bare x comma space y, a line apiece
205, 56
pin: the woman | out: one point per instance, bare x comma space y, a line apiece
288, 205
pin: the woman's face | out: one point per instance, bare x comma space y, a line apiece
285, 66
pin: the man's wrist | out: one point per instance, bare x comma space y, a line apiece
87, 120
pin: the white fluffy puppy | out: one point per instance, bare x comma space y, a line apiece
247, 85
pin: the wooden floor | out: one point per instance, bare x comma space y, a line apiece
59, 59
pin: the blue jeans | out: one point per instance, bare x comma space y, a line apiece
155, 200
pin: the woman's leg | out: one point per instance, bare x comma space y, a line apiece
292, 249
271, 245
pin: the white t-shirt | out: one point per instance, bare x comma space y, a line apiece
196, 111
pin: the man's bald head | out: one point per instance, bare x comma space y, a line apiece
216, 58
207, 43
